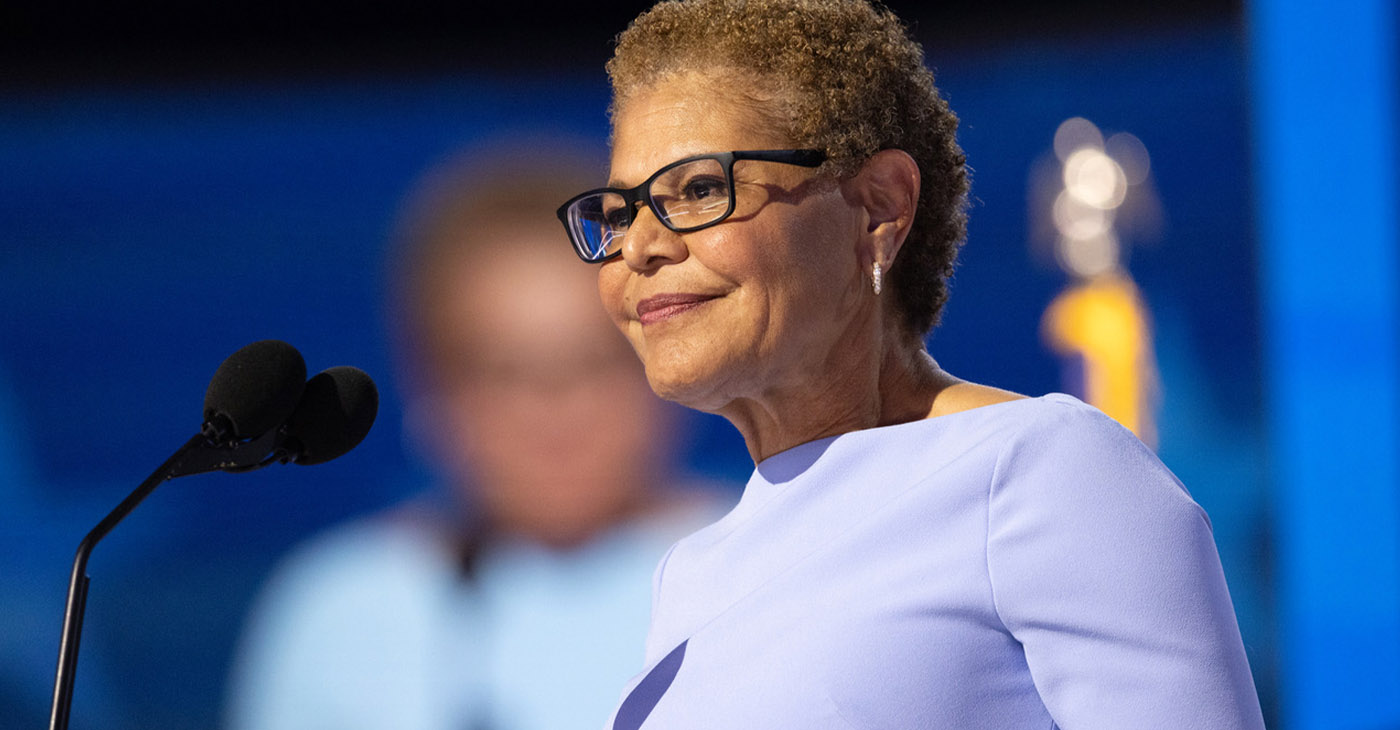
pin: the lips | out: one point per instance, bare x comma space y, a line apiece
665, 306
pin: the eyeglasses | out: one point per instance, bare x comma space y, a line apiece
686, 195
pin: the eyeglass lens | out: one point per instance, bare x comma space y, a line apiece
687, 196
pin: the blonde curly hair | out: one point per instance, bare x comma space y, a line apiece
842, 76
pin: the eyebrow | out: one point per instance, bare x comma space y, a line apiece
614, 183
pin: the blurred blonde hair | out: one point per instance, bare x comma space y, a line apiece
458, 210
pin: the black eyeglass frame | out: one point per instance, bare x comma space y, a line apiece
632, 196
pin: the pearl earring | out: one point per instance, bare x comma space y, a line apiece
875, 275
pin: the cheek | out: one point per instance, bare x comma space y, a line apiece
612, 289
819, 259
784, 269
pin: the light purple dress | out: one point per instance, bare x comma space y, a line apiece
1022, 565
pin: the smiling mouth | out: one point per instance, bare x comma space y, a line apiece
665, 306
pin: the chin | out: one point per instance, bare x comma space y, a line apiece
685, 387
697, 371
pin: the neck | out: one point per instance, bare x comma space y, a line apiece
858, 388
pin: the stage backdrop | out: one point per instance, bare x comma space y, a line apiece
148, 231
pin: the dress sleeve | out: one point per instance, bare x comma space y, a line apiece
1106, 571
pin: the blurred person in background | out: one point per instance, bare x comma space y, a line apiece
518, 598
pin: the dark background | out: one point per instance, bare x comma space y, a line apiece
167, 39
177, 181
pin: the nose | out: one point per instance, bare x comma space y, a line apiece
649, 245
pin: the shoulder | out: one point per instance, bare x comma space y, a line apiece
961, 396
367, 542
357, 564
1010, 423
1058, 431
1055, 449
1060, 456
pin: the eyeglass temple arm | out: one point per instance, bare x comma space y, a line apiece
805, 158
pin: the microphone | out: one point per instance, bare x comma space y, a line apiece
258, 409
336, 410
254, 391
333, 417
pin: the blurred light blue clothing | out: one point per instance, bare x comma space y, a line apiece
377, 625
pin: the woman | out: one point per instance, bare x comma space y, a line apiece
913, 550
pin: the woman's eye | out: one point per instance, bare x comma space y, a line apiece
701, 188
617, 218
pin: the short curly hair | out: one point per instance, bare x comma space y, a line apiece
843, 76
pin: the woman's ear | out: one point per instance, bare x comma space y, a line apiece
887, 188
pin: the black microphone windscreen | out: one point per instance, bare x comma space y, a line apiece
335, 414
255, 389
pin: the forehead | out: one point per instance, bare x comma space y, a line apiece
685, 115
522, 295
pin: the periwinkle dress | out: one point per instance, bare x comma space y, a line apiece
1028, 564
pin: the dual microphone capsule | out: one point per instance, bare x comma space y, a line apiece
259, 409
262, 389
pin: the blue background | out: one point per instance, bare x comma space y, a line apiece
147, 230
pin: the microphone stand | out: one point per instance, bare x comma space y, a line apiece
202, 453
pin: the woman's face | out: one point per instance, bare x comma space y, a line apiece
745, 309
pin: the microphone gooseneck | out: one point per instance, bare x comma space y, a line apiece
258, 409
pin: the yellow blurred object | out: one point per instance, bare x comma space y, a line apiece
1102, 324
